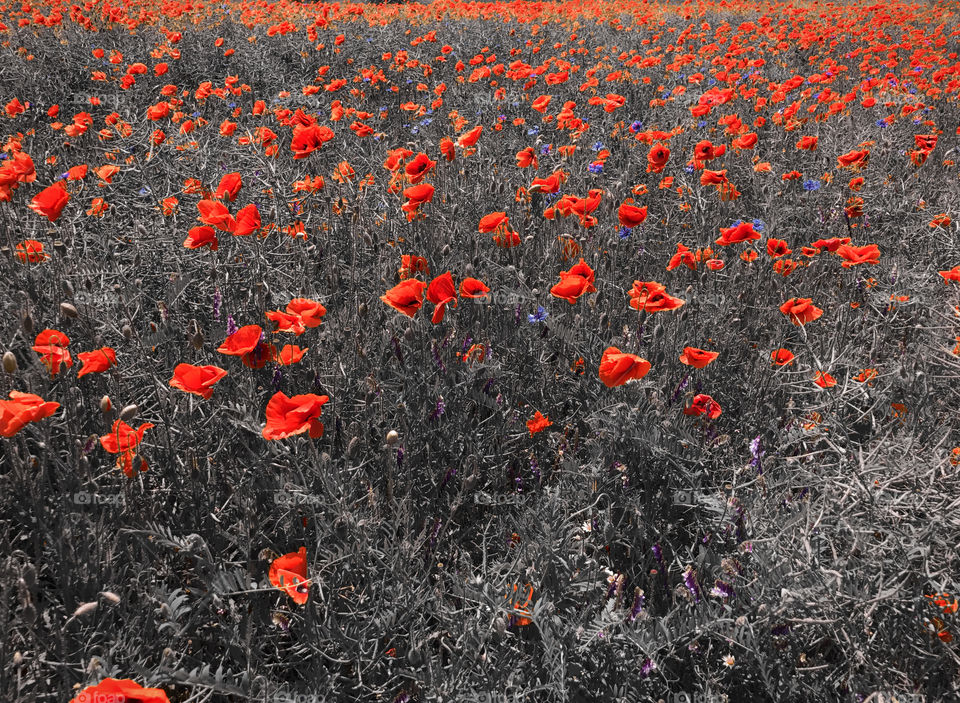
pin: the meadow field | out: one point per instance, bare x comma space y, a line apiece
479, 351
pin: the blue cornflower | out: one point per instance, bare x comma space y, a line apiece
598, 146
636, 126
624, 232
545, 149
688, 168
539, 316
532, 131
811, 184
759, 225
881, 123
737, 223
702, 123
595, 168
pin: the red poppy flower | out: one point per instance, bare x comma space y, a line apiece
418, 167
307, 139
617, 368
213, 212
630, 215
289, 574
854, 256
22, 408
241, 342
714, 264
470, 138
198, 380
447, 148
123, 440
120, 691
440, 292
801, 311
202, 236
97, 361
951, 275
416, 196
493, 222
713, 178
289, 416
50, 201
473, 288
574, 283
657, 158
527, 157
856, 159
287, 322
310, 311
831, 244
824, 380
30, 250
777, 248
808, 143
703, 404
290, 354
651, 297
697, 358
406, 296
745, 141
247, 221
52, 347
683, 257
781, 357
229, 186
734, 235
538, 423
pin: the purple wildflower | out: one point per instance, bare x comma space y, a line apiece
231, 325
690, 581
217, 300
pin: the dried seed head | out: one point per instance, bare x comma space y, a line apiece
9, 362
68, 310
27, 324
127, 331
392, 437
110, 597
85, 609
93, 665
129, 412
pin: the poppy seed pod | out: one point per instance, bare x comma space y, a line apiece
9, 362
68, 310
392, 437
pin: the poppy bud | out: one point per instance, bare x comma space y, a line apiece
17, 659
351, 447
129, 412
469, 270
362, 310
110, 597
197, 340
27, 324
105, 404
368, 240
392, 437
446, 250
408, 334
141, 229
9, 362
127, 332
68, 310
68, 288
